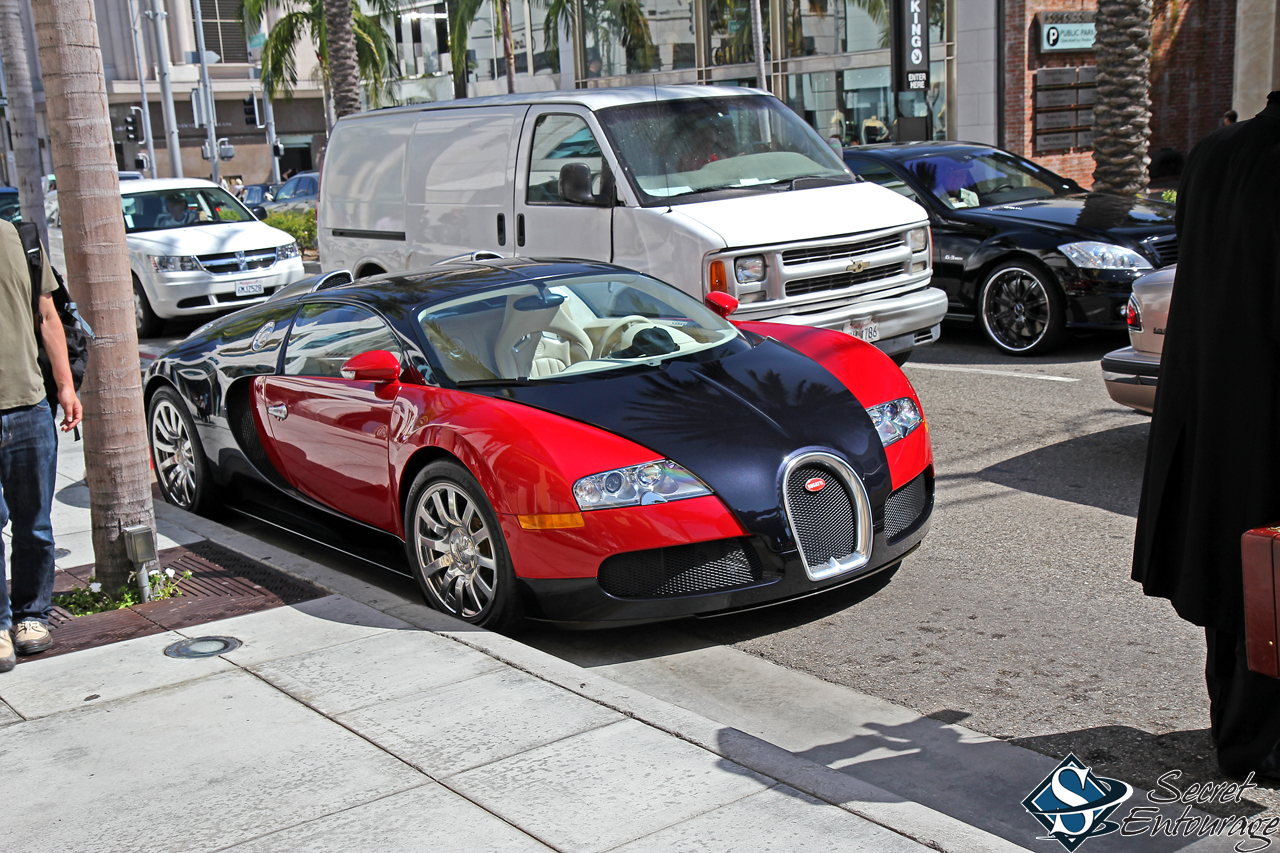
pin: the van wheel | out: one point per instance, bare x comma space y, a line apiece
148, 322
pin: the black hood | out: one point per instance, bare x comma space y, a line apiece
1092, 213
732, 422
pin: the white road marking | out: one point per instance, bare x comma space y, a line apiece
953, 369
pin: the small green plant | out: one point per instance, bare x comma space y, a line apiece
1170, 196
300, 225
91, 599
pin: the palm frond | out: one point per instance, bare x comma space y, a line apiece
279, 54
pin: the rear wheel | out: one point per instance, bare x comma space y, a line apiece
179, 461
1022, 310
148, 322
456, 548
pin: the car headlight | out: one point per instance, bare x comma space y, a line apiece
895, 420
1091, 255
174, 263
287, 251
749, 268
918, 239
638, 485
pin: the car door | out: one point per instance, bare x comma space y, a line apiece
548, 225
331, 434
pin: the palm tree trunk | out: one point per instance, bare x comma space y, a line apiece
116, 466
22, 115
508, 52
1122, 114
344, 72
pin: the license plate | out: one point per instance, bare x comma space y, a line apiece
868, 330
249, 288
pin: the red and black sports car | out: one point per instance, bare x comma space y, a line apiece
555, 440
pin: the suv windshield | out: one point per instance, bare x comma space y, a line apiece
179, 208
585, 324
984, 178
670, 149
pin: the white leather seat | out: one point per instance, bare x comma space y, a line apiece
523, 350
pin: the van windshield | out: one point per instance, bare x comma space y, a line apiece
683, 149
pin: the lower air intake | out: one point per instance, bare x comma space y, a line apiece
903, 508
682, 570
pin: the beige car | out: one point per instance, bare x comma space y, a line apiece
1131, 373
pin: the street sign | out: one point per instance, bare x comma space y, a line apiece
256, 40
1066, 31
909, 53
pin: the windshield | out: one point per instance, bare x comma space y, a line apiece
179, 208
546, 330
984, 178
9, 207
670, 149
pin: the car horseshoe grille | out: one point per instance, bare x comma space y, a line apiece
830, 514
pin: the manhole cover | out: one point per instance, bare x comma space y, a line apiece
202, 647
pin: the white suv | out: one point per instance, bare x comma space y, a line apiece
194, 249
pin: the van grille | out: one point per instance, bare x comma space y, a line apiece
233, 262
682, 570
811, 254
840, 280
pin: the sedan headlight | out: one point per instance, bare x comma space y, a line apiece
749, 268
895, 420
287, 251
174, 263
638, 485
1091, 255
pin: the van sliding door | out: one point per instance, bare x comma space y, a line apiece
459, 182
547, 224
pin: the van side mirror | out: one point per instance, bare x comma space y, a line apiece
575, 184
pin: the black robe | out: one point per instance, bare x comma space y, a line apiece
1213, 460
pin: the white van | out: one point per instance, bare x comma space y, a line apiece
706, 187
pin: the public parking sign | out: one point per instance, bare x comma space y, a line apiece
1066, 31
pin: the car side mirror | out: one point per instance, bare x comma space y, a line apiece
373, 366
258, 211
721, 303
575, 183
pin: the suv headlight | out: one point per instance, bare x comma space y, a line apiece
895, 420
1092, 255
173, 263
287, 251
638, 485
749, 268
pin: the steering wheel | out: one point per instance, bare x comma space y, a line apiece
1000, 189
613, 328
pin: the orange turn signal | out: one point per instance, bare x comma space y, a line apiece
551, 521
719, 279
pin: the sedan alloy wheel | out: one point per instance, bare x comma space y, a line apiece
1021, 311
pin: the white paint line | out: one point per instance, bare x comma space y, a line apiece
913, 364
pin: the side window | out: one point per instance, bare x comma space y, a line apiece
878, 173
307, 186
286, 191
557, 141
325, 335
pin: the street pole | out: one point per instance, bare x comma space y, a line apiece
10, 166
270, 115
136, 23
212, 110
159, 18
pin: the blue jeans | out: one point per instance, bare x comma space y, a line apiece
28, 465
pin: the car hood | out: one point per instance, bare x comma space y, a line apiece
209, 239
812, 214
1093, 213
732, 422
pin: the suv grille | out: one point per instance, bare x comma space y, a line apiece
843, 279
682, 570
1165, 249
823, 521
904, 507
229, 262
845, 250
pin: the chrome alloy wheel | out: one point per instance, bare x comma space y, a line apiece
174, 455
1015, 309
456, 552
139, 316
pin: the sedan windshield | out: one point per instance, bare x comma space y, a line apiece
675, 149
179, 208
545, 330
985, 178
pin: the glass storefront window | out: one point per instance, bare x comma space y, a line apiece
730, 31
856, 106
637, 36
827, 27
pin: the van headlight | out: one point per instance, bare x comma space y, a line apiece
748, 268
1092, 255
918, 239
173, 263
287, 251
895, 420
638, 485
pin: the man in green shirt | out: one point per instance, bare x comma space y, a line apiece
28, 447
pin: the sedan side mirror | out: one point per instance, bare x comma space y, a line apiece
373, 366
721, 303
575, 183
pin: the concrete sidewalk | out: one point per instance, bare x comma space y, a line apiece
366, 721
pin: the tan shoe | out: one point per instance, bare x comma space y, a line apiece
8, 660
31, 637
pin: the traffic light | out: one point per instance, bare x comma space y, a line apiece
251, 111
278, 149
131, 127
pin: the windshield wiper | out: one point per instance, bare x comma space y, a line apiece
805, 182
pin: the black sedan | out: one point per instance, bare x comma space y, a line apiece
1025, 253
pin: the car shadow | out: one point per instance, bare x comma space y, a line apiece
1102, 469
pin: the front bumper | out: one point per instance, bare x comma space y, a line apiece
178, 294
903, 321
1131, 378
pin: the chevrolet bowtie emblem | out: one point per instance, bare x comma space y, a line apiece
858, 266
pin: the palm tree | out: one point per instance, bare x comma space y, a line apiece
22, 116
1122, 114
115, 445
340, 43
306, 19
621, 19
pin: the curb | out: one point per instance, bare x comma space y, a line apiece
919, 823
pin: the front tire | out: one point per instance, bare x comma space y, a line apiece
457, 550
148, 322
177, 456
1022, 310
